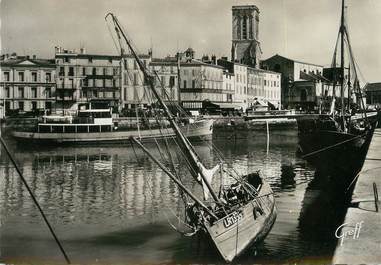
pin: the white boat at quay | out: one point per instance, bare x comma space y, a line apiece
97, 126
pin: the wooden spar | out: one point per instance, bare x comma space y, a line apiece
10, 156
178, 182
191, 155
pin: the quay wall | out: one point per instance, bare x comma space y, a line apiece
360, 235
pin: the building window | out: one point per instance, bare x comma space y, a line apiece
6, 76
193, 84
67, 60
48, 77
48, 92
21, 76
62, 71
171, 81
71, 71
90, 60
34, 105
48, 105
21, 92
185, 83
251, 27
94, 71
21, 105
115, 71
83, 71
7, 92
244, 28
34, 92
135, 79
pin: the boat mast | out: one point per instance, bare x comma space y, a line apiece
342, 78
349, 88
198, 168
178, 78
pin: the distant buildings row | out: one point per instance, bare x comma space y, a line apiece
72, 79
245, 81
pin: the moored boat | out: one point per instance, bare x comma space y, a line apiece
97, 126
339, 138
242, 213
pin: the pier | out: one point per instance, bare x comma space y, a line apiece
360, 237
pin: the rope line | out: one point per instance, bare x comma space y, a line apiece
332, 146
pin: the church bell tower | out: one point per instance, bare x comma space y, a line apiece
245, 43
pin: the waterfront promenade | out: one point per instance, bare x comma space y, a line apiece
360, 237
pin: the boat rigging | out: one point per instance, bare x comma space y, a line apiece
241, 213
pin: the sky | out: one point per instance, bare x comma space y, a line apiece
304, 30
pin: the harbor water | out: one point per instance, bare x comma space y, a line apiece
111, 204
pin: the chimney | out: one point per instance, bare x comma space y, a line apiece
214, 59
82, 50
205, 58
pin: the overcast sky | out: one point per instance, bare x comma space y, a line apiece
300, 29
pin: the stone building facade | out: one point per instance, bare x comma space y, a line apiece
373, 94
88, 79
245, 35
192, 81
303, 83
268, 87
251, 83
167, 71
199, 82
27, 84
133, 91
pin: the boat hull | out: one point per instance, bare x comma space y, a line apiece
232, 240
197, 130
331, 150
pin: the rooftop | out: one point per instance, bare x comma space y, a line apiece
26, 61
289, 59
173, 61
240, 7
373, 86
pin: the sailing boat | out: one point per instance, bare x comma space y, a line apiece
240, 214
338, 139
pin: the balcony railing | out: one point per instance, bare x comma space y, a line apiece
67, 86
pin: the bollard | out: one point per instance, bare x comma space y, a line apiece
375, 192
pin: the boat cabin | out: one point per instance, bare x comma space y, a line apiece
86, 121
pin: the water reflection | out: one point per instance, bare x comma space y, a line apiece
111, 206
287, 177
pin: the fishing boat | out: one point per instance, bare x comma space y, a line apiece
338, 139
243, 210
97, 126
